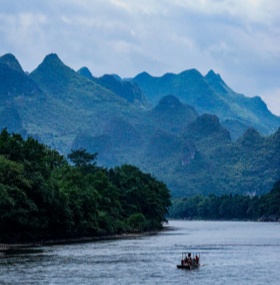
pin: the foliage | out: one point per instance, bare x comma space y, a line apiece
141, 193
137, 221
43, 196
192, 154
228, 207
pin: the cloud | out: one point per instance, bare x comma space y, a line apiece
246, 11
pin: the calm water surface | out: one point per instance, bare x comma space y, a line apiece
231, 253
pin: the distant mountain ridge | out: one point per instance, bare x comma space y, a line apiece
123, 88
210, 94
192, 151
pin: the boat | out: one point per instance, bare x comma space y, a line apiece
189, 261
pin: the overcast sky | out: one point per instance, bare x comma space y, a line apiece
239, 39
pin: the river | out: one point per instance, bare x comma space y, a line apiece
230, 253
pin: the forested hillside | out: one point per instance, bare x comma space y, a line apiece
43, 196
191, 152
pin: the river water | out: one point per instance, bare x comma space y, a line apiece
230, 253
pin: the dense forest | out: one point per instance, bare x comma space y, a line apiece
229, 207
43, 195
192, 132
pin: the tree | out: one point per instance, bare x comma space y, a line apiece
81, 157
137, 222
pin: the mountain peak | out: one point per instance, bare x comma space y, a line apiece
207, 125
190, 72
169, 102
143, 76
116, 76
212, 76
211, 73
11, 61
172, 115
52, 68
251, 134
125, 89
52, 56
53, 75
52, 59
216, 81
14, 82
84, 71
250, 138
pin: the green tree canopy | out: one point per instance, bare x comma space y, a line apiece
43, 196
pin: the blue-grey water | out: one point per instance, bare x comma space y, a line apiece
230, 252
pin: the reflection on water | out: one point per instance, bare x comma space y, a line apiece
231, 253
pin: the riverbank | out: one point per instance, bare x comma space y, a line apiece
32, 246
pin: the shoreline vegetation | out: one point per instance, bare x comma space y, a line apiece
264, 208
44, 196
